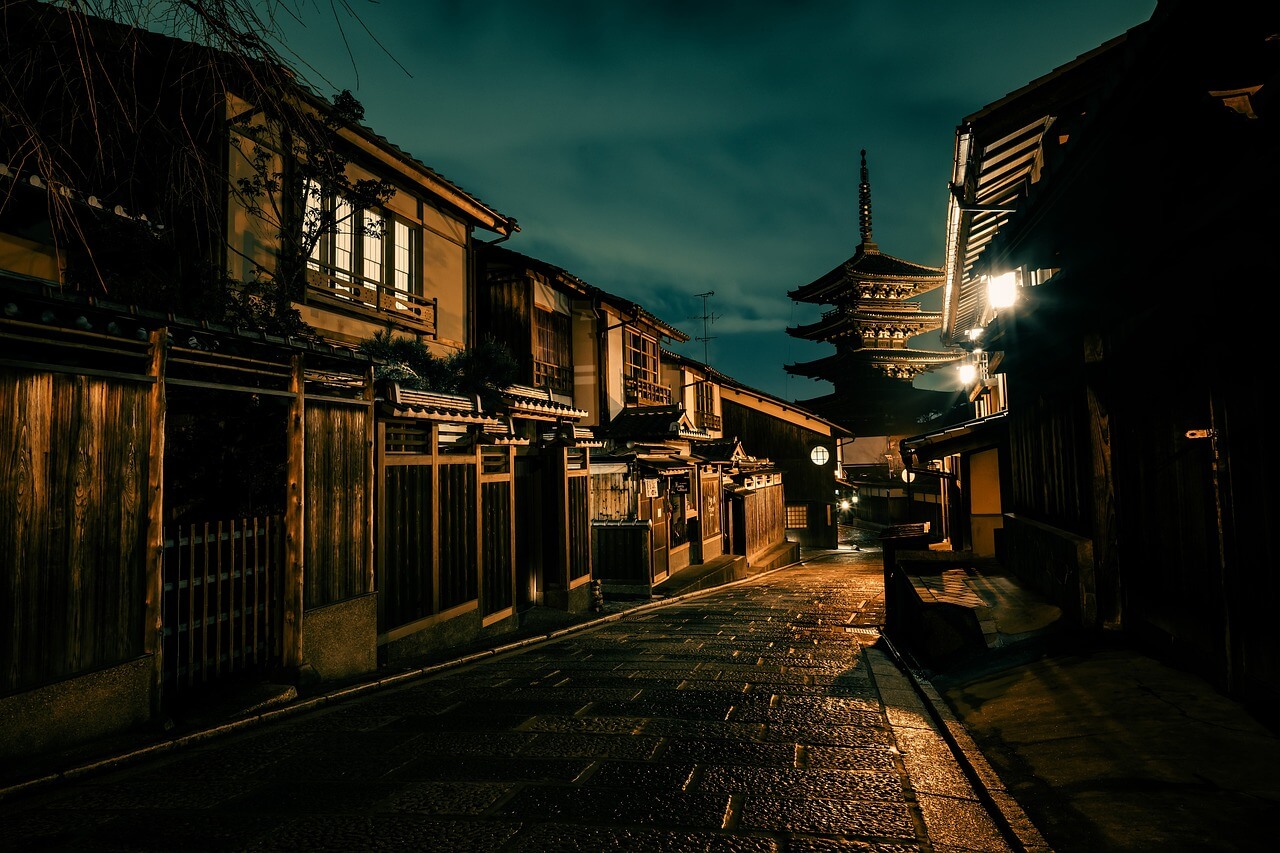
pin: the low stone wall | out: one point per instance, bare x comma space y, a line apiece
340, 641
77, 710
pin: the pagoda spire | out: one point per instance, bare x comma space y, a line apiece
864, 209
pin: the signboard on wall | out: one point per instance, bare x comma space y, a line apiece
651, 488
679, 485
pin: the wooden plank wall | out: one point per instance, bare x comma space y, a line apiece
579, 526
1046, 440
496, 546
765, 515
622, 552
337, 503
457, 533
612, 497
73, 524
406, 583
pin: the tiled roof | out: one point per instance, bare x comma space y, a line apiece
653, 422
538, 402
867, 266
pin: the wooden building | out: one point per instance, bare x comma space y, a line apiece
1137, 488
182, 505
239, 419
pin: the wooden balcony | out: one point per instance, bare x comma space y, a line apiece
353, 294
643, 391
708, 421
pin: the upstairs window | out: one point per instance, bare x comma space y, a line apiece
641, 356
552, 351
374, 252
704, 400
640, 371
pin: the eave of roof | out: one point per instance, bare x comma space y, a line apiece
868, 266
583, 288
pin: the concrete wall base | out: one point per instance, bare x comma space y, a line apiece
449, 635
340, 641
77, 710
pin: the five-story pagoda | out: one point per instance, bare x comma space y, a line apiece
872, 319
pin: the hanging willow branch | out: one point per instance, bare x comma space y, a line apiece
127, 103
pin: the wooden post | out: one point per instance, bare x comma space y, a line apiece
478, 463
434, 509
295, 521
154, 637
372, 480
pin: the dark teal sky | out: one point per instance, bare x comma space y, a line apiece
660, 149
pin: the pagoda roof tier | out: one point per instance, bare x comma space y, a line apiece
894, 408
841, 322
897, 362
868, 266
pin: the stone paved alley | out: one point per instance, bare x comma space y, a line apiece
766, 715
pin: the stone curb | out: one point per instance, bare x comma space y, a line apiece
1012, 821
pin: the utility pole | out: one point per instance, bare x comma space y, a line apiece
707, 319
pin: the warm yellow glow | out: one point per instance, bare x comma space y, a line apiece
1002, 290
968, 373
844, 504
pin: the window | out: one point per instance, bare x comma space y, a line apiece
642, 356
797, 515
704, 394
552, 351
363, 256
819, 455
640, 372
705, 397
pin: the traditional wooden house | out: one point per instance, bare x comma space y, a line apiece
377, 521
804, 447
545, 316
1138, 490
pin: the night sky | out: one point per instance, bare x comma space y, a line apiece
660, 149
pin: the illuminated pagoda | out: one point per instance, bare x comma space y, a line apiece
872, 319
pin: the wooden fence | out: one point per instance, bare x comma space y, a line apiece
73, 523
338, 507
446, 522
623, 551
764, 520
223, 612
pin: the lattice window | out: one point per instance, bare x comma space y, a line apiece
552, 351
641, 356
797, 515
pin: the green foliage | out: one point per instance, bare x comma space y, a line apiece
482, 370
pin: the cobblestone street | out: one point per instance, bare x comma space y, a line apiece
765, 715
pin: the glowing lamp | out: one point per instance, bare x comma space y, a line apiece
968, 373
1002, 290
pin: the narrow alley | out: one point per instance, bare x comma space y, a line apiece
763, 715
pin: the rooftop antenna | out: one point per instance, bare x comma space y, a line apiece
707, 319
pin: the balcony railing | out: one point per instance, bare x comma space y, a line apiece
353, 293
707, 420
639, 390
